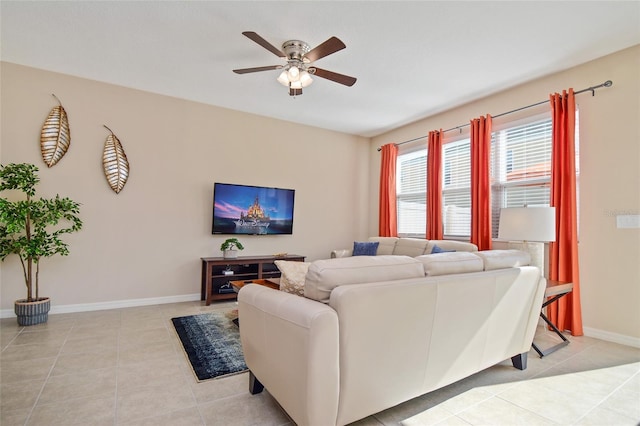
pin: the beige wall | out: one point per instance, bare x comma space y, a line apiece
609, 180
146, 242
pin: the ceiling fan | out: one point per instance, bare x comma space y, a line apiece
298, 70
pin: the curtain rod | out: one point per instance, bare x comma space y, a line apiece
591, 89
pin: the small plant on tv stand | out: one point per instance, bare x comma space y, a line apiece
230, 248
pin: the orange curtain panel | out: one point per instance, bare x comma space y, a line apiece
566, 313
388, 214
480, 182
434, 186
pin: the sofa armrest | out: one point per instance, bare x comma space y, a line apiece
341, 253
290, 344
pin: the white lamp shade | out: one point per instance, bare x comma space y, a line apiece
305, 79
284, 78
294, 73
528, 224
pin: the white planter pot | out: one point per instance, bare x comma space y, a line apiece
230, 254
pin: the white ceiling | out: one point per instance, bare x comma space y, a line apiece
412, 59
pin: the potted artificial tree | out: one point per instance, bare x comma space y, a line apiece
31, 229
230, 248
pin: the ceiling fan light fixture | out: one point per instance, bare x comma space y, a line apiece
295, 77
297, 71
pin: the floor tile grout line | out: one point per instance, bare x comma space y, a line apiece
535, 377
115, 392
13, 339
588, 411
562, 362
190, 373
515, 384
526, 409
178, 352
182, 372
44, 384
475, 404
608, 396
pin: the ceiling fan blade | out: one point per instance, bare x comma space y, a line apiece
327, 48
264, 43
334, 76
295, 92
257, 69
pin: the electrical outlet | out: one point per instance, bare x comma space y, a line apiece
628, 221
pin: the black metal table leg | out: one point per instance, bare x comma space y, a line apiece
565, 341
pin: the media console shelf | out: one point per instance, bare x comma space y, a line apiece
217, 272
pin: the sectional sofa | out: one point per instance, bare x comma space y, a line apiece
374, 331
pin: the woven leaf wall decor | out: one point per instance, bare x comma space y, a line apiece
55, 137
115, 163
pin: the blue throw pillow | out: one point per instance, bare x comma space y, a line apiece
369, 248
437, 249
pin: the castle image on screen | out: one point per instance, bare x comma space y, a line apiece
254, 210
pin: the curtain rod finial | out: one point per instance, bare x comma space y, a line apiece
608, 83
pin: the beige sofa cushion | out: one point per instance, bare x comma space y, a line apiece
410, 247
293, 274
501, 259
325, 275
450, 245
386, 244
450, 263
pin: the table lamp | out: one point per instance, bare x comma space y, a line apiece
529, 224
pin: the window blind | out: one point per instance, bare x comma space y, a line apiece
411, 181
520, 167
456, 188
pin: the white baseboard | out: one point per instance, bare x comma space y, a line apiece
612, 337
604, 335
85, 307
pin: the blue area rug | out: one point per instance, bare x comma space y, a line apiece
212, 343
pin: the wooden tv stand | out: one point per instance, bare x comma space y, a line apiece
216, 284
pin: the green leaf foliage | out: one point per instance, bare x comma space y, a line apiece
22, 177
32, 228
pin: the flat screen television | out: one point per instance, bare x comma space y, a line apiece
252, 210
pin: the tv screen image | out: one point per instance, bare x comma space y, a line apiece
253, 210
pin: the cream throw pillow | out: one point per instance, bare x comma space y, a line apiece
293, 274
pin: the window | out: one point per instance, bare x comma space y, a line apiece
520, 175
411, 193
456, 189
411, 175
520, 167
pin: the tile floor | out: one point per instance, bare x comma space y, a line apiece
126, 367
